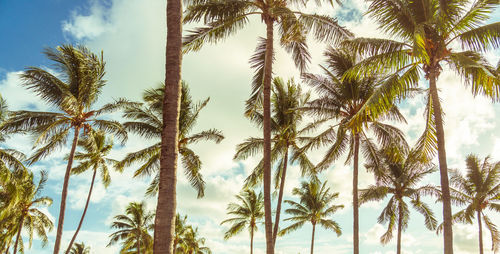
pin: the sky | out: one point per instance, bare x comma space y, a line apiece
131, 34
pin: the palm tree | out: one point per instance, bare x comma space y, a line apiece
73, 94
133, 229
478, 189
426, 31
397, 175
146, 122
286, 100
80, 248
96, 148
26, 211
192, 244
314, 206
224, 18
247, 213
181, 230
340, 101
8, 157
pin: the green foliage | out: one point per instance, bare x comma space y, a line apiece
80, 248
247, 213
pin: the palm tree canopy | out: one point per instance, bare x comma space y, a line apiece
80, 248
247, 213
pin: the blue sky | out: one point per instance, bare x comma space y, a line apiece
132, 36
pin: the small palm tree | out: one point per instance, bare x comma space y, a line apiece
72, 93
314, 206
133, 229
397, 175
478, 190
96, 147
146, 122
80, 248
181, 230
193, 244
247, 213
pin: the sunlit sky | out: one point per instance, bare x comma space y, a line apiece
132, 35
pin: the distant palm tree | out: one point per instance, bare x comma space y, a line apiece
146, 122
72, 93
96, 148
80, 248
314, 207
478, 189
8, 157
397, 175
181, 230
192, 244
133, 229
247, 213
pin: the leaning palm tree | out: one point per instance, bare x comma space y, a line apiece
72, 93
146, 122
338, 103
286, 101
478, 190
224, 18
427, 33
247, 213
314, 207
397, 176
97, 147
133, 229
80, 248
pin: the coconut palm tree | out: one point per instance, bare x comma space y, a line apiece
339, 101
97, 147
397, 176
133, 229
181, 230
72, 93
247, 213
429, 34
286, 100
477, 190
146, 122
80, 248
314, 206
224, 18
193, 244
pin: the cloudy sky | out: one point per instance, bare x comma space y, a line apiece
131, 33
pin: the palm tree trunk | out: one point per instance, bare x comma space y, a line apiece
280, 196
64, 194
251, 240
443, 167
18, 234
267, 136
355, 195
400, 227
175, 246
312, 239
166, 206
83, 214
480, 232
139, 244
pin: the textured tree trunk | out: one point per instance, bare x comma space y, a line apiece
312, 238
443, 168
400, 227
139, 244
83, 214
280, 196
64, 194
480, 232
251, 240
267, 137
355, 205
18, 234
165, 209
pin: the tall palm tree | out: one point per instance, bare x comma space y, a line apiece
133, 229
477, 190
286, 117
97, 147
27, 213
339, 101
72, 93
80, 248
314, 206
224, 18
192, 244
397, 176
247, 213
427, 32
146, 122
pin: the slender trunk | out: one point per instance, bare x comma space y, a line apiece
175, 245
280, 196
165, 209
312, 239
18, 234
480, 232
443, 168
267, 137
60, 222
251, 240
139, 244
400, 227
8, 246
355, 205
83, 214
